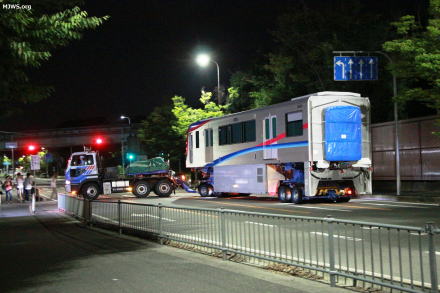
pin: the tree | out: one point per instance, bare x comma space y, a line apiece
301, 59
27, 39
417, 57
186, 115
157, 135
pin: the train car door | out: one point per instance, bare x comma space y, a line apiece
269, 133
209, 141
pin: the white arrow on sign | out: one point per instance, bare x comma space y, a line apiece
371, 62
340, 63
361, 63
350, 62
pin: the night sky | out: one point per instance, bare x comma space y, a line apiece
144, 55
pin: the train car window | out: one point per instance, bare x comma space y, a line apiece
206, 134
294, 123
236, 133
223, 135
211, 136
249, 131
267, 128
274, 126
197, 140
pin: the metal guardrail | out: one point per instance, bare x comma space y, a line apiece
391, 256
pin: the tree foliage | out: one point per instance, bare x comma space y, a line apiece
417, 57
301, 60
186, 115
27, 39
157, 135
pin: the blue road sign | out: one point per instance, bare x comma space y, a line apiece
355, 68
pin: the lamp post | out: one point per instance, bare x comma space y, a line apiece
203, 61
122, 143
396, 118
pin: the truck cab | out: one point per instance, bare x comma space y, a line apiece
82, 174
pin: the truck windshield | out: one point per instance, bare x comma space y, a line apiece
82, 160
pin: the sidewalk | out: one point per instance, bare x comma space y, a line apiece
50, 252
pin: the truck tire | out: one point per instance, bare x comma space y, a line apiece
205, 190
163, 188
90, 191
141, 189
296, 195
284, 193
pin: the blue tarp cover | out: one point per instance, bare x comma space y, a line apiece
343, 133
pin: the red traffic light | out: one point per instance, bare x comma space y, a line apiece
98, 141
31, 148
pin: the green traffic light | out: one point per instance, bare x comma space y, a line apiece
130, 156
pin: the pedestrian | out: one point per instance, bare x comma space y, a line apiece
28, 186
19, 182
9, 185
53, 186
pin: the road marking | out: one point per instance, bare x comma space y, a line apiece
394, 205
260, 224
417, 234
320, 208
263, 208
359, 207
436, 253
394, 201
370, 228
151, 216
337, 236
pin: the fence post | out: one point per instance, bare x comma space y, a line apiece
119, 217
429, 228
331, 251
223, 233
160, 223
86, 210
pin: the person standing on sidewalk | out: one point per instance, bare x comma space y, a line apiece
53, 186
28, 185
19, 182
8, 188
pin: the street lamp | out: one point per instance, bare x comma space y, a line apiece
396, 119
126, 117
203, 61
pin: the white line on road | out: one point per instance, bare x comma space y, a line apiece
151, 216
394, 205
320, 208
436, 253
397, 202
337, 236
370, 228
260, 224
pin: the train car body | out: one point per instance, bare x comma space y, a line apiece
312, 146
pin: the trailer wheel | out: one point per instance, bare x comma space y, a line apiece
141, 189
284, 194
163, 188
205, 190
90, 191
296, 195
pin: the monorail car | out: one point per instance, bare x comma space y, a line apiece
314, 146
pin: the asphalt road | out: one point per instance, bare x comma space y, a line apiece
49, 252
367, 210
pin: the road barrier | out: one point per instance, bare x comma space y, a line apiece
390, 256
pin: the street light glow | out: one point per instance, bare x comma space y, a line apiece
123, 117
203, 60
